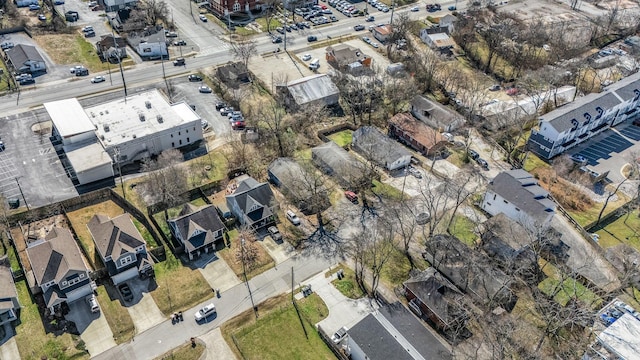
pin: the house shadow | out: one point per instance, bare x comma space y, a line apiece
6, 333
201, 262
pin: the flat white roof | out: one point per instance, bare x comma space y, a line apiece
68, 117
88, 157
623, 337
140, 115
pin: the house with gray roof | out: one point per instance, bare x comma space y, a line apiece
198, 229
516, 194
372, 144
393, 332
150, 44
253, 203
471, 272
298, 185
9, 304
435, 115
26, 59
310, 90
59, 270
586, 117
339, 164
122, 248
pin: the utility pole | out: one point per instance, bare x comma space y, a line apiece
393, 9
164, 75
115, 45
21, 193
244, 273
117, 154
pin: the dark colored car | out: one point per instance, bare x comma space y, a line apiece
474, 155
180, 43
178, 62
483, 163
27, 81
194, 78
125, 290
358, 27
312, 38
220, 105
578, 158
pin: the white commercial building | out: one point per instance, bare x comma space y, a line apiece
144, 125
622, 338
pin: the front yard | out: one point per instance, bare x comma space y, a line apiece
117, 315
263, 261
71, 49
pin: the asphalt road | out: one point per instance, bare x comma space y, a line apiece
164, 337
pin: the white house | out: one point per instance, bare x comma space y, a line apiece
586, 117
436, 40
114, 5
516, 194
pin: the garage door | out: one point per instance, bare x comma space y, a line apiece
124, 276
78, 293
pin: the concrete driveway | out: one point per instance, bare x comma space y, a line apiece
216, 271
143, 310
217, 347
9, 349
342, 310
278, 252
93, 327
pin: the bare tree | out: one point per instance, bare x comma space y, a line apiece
380, 248
166, 181
244, 49
154, 10
242, 156
401, 215
272, 117
247, 253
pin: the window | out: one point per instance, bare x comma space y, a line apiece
147, 50
173, 144
64, 283
179, 133
180, 142
187, 131
494, 196
172, 135
236, 6
517, 209
505, 201
194, 128
488, 203
126, 260
188, 139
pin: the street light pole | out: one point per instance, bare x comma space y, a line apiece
21, 193
244, 273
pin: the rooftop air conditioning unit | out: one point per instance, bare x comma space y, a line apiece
159, 117
147, 104
141, 115
106, 127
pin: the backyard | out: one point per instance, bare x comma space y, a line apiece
342, 138
569, 287
278, 333
625, 229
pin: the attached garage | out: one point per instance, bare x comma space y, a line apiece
125, 275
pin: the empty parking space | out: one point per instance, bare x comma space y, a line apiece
607, 144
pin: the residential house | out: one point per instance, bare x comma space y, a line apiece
121, 247
129, 20
339, 164
253, 203
150, 44
436, 115
516, 193
233, 74
448, 22
312, 90
223, 8
347, 59
586, 117
382, 33
298, 185
470, 271
632, 44
111, 48
198, 229
25, 3
115, 5
416, 134
393, 332
372, 144
26, 59
58, 269
435, 298
437, 40
9, 304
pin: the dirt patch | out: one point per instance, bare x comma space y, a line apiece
27, 233
570, 196
61, 48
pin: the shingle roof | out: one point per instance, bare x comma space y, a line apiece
421, 132
197, 225
509, 231
375, 341
378, 146
338, 159
435, 291
439, 114
521, 189
52, 258
254, 198
22, 53
7, 286
114, 237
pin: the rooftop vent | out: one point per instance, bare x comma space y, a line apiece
160, 120
92, 114
147, 104
141, 116
134, 136
106, 111
106, 127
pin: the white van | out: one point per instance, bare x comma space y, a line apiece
314, 64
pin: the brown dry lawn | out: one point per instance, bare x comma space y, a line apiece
263, 263
79, 220
71, 49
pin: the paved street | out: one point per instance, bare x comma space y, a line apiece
165, 336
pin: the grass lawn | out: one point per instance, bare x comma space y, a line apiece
570, 287
342, 138
198, 175
6, 249
71, 49
347, 286
463, 228
184, 352
33, 342
179, 287
396, 270
498, 64
3, 80
590, 215
146, 235
79, 220
457, 158
386, 190
262, 22
625, 229
303, 154
173, 212
263, 263
533, 162
278, 333
117, 316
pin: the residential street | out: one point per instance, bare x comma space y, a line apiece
165, 336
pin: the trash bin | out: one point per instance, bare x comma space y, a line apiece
14, 203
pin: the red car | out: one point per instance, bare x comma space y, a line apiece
512, 91
351, 196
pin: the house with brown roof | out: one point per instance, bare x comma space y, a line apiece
9, 304
121, 247
198, 229
347, 58
382, 33
110, 48
416, 134
58, 269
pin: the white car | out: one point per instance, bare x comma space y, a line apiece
203, 17
77, 67
415, 8
205, 311
291, 216
98, 79
93, 303
306, 57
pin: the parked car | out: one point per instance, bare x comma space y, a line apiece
238, 125
483, 163
7, 45
495, 87
195, 78
423, 218
206, 311
473, 154
87, 28
358, 27
415, 172
291, 216
220, 105
202, 17
351, 196
42, 17
226, 110
366, 39
89, 34
415, 8
170, 34
311, 38
339, 335
27, 81
275, 234
93, 303
125, 290
370, 18
204, 89
58, 2
451, 8
578, 159
306, 57
76, 68
276, 39
204, 123
34, 7
98, 79
179, 61
180, 43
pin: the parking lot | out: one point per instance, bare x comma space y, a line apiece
30, 160
611, 150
